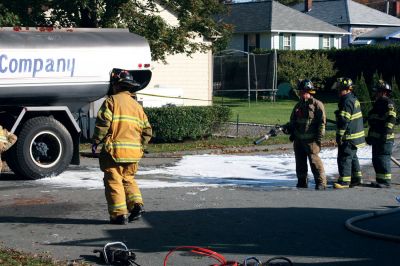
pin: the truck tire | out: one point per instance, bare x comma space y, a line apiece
44, 149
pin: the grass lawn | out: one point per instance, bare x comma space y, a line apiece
11, 257
266, 112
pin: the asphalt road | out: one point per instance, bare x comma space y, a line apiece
307, 226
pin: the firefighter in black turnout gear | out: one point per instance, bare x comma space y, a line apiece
381, 120
349, 135
306, 129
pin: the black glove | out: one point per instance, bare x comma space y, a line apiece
286, 129
291, 137
318, 141
339, 140
368, 140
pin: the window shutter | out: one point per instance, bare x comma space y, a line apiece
332, 41
321, 39
246, 43
280, 41
293, 42
257, 40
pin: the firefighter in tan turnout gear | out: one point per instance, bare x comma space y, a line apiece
306, 129
123, 128
7, 139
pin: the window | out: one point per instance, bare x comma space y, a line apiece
252, 42
286, 42
325, 42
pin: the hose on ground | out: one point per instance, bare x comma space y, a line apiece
349, 225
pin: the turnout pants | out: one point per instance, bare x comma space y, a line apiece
348, 164
121, 189
310, 150
381, 160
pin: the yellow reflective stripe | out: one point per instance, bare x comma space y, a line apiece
358, 146
125, 145
389, 125
390, 136
383, 176
117, 206
392, 113
106, 112
135, 198
340, 132
355, 135
356, 116
345, 114
127, 118
345, 178
126, 160
357, 174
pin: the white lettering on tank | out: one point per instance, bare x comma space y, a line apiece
35, 66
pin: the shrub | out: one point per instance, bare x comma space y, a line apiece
361, 90
173, 124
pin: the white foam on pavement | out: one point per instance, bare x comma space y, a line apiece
212, 170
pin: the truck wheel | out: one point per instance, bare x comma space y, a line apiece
44, 148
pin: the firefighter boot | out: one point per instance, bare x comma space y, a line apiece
302, 183
136, 212
120, 219
341, 185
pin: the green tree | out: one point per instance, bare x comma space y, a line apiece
295, 65
396, 96
361, 90
195, 20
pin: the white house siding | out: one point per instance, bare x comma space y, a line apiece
308, 41
189, 77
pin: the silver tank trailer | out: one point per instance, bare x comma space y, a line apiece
46, 75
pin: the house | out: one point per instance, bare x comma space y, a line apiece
349, 15
388, 7
188, 77
271, 25
182, 80
381, 36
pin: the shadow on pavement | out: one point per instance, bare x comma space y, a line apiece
316, 234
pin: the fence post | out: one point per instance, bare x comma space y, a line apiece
237, 125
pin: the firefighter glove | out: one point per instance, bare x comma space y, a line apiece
291, 137
339, 140
286, 129
94, 148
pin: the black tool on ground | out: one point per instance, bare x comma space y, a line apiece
117, 253
273, 132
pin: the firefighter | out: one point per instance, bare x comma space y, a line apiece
7, 139
381, 120
307, 128
349, 135
123, 128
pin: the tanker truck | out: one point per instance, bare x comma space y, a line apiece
46, 76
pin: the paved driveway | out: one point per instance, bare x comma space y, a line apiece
306, 226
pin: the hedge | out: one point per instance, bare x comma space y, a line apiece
174, 124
